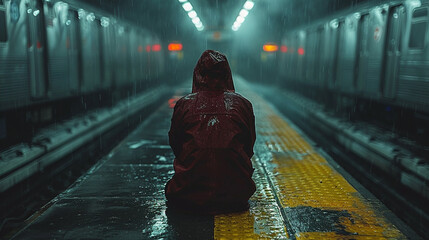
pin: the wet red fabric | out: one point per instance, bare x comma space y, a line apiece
212, 136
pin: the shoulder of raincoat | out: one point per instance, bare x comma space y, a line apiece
212, 136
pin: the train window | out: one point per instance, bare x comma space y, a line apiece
417, 36
3, 29
418, 28
422, 12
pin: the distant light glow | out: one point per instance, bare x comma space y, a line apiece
35, 13
183, 1
200, 28
147, 48
105, 22
200, 24
156, 47
243, 13
301, 51
283, 48
270, 48
192, 14
187, 6
80, 13
175, 47
90, 17
248, 5
236, 24
234, 28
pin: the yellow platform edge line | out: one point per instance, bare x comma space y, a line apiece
302, 179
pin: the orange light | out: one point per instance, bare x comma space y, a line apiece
270, 47
156, 47
147, 48
175, 47
283, 48
301, 51
172, 101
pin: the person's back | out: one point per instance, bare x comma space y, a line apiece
212, 136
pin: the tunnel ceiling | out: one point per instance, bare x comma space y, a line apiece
168, 19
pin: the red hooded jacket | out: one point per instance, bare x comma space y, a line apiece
212, 136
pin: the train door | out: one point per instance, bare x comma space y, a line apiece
347, 54
337, 55
72, 45
376, 52
56, 16
36, 52
362, 61
318, 60
393, 50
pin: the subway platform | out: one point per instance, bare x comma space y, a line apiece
301, 193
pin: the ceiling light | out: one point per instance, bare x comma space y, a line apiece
248, 5
187, 6
200, 28
192, 14
183, 1
240, 19
234, 28
244, 13
196, 20
236, 24
200, 24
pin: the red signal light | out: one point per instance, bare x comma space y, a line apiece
301, 51
156, 47
270, 48
175, 47
147, 48
283, 48
140, 48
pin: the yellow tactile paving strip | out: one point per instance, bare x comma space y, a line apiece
318, 203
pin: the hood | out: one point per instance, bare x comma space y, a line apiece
212, 73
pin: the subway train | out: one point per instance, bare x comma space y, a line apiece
52, 51
378, 52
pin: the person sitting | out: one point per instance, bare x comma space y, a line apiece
212, 136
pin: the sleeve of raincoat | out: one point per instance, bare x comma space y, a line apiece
175, 134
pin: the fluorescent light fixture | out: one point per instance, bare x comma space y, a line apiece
187, 6
234, 28
236, 24
192, 14
248, 5
240, 19
244, 13
196, 20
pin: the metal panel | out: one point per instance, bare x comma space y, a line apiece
376, 40
393, 50
73, 51
56, 16
362, 61
14, 76
413, 82
89, 32
333, 36
347, 54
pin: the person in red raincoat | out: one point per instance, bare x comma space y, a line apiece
212, 136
